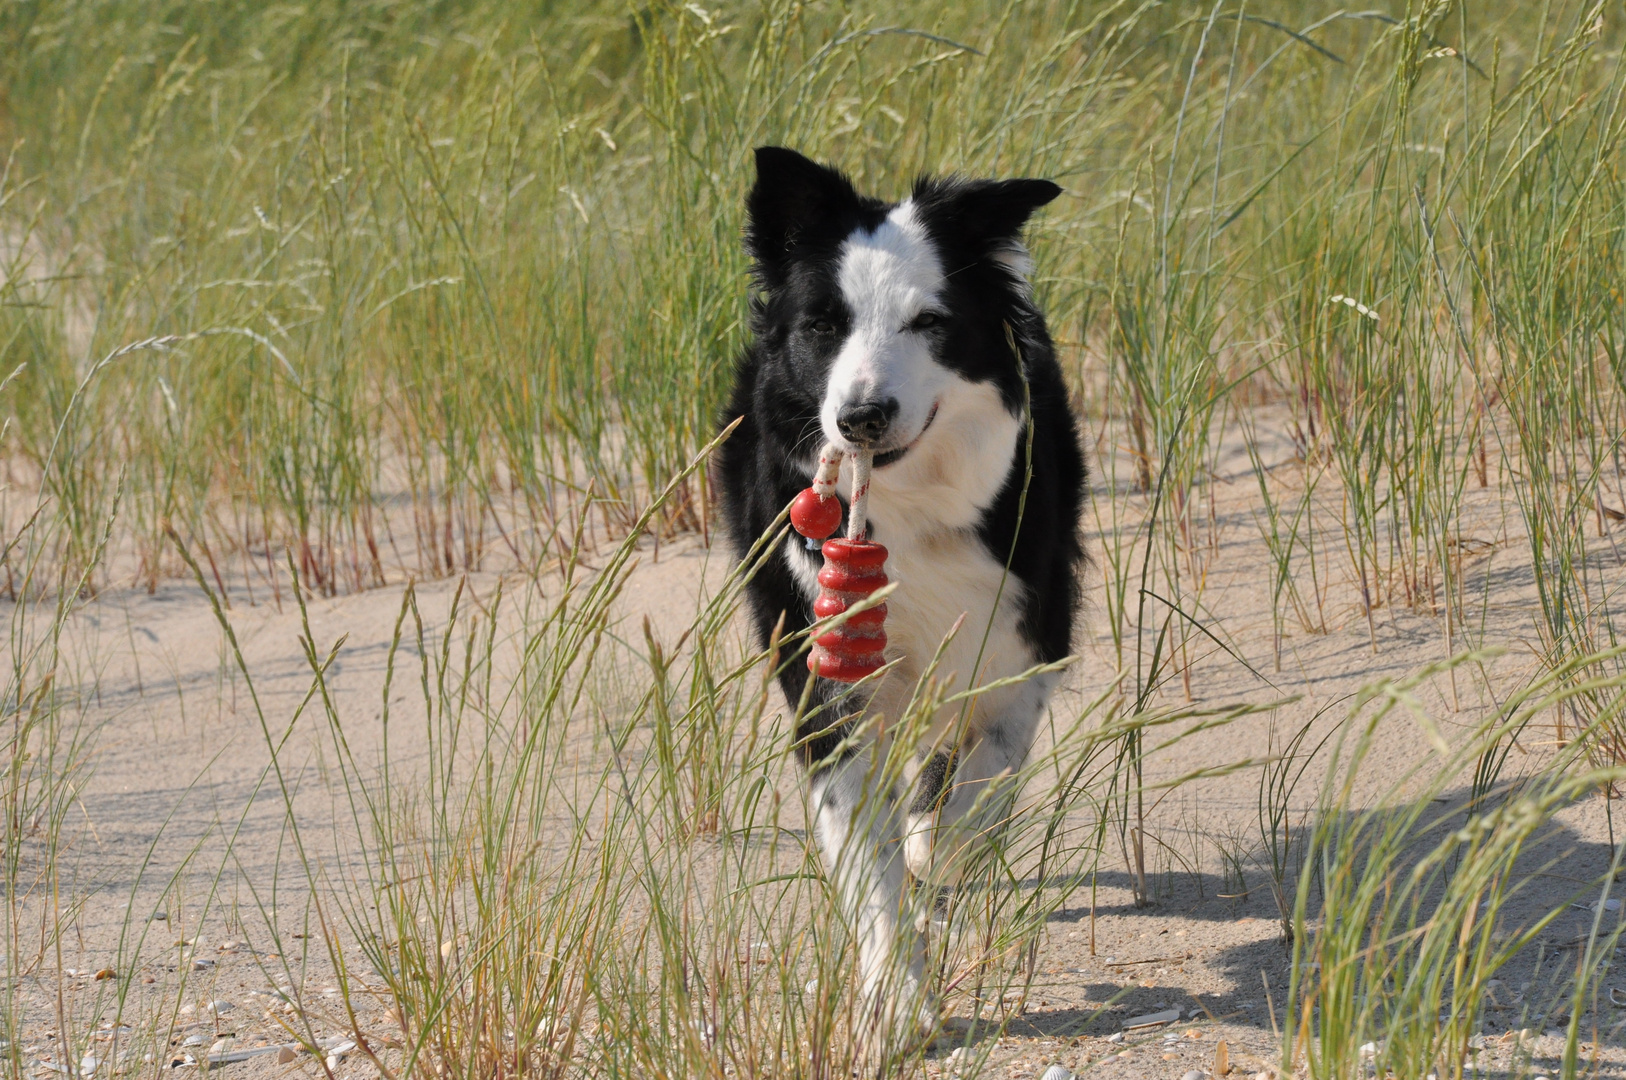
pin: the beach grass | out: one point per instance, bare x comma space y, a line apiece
302, 301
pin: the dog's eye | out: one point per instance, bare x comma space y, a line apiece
926, 320
822, 326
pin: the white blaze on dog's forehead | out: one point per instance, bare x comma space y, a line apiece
888, 276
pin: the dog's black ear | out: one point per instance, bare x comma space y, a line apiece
791, 197
987, 213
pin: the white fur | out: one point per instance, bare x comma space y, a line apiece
953, 472
1014, 257
858, 837
943, 571
887, 278
925, 508
942, 574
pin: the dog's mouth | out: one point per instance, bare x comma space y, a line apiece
881, 461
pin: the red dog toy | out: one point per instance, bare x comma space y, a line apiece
853, 569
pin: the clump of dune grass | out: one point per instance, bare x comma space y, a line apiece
1408, 924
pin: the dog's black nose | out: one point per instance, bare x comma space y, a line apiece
866, 422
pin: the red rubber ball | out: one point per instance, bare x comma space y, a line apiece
815, 516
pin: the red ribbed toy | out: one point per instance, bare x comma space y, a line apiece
853, 569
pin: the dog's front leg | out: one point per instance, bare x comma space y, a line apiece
963, 799
859, 825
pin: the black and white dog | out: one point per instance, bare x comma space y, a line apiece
889, 327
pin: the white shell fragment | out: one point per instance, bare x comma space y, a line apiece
1167, 1016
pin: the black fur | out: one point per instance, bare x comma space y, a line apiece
799, 215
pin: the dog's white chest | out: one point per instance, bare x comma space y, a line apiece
940, 578
925, 510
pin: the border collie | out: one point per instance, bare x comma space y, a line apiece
908, 330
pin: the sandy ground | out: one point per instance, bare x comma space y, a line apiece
180, 765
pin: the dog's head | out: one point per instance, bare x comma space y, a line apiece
882, 315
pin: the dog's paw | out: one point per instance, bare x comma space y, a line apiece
896, 1033
929, 1016
907, 1017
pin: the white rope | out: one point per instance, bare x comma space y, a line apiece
824, 481
858, 511
824, 484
